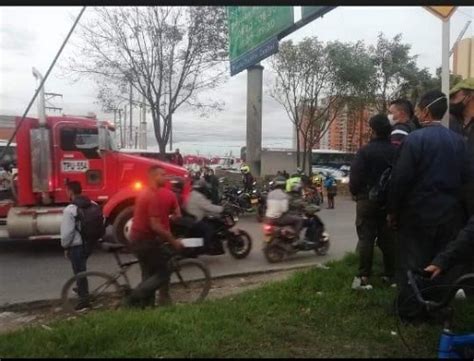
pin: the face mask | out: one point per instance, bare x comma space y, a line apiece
391, 120
457, 109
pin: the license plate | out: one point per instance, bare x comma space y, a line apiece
254, 201
74, 166
267, 239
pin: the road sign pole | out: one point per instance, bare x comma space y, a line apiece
254, 118
445, 66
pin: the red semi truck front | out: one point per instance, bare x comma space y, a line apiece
54, 150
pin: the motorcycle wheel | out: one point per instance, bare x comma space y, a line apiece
274, 253
323, 249
239, 244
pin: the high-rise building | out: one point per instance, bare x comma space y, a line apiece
347, 132
463, 58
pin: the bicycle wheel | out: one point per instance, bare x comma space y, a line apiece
104, 290
190, 281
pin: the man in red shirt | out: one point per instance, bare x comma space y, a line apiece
150, 231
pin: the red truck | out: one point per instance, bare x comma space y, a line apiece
53, 150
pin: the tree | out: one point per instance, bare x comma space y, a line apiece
357, 75
167, 54
314, 82
421, 82
304, 76
394, 66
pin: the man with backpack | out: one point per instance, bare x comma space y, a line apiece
370, 162
81, 227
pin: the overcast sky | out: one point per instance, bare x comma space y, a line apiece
31, 36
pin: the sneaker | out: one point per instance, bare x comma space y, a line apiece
361, 283
82, 306
460, 295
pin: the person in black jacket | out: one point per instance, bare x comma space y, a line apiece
369, 164
424, 197
462, 121
459, 251
401, 117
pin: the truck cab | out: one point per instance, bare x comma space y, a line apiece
63, 148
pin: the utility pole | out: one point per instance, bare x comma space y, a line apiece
125, 127
445, 67
48, 97
254, 118
171, 132
143, 125
131, 115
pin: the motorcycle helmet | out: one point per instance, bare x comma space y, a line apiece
245, 169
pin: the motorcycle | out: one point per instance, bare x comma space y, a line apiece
283, 241
238, 201
239, 242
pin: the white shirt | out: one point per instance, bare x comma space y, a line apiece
277, 203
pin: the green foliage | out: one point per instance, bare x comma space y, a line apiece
313, 314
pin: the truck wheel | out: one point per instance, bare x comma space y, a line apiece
122, 225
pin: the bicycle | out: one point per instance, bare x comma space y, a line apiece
451, 345
187, 276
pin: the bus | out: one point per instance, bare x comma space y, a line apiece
332, 158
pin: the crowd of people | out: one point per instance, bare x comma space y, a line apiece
413, 184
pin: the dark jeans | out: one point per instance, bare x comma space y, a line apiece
417, 246
78, 257
153, 257
372, 225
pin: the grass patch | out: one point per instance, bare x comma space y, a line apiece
281, 319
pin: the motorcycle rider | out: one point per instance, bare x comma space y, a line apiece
199, 206
278, 206
247, 179
318, 184
294, 179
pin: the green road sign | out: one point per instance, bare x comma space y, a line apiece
253, 32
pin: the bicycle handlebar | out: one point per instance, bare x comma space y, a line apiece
413, 275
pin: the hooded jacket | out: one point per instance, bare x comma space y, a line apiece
70, 227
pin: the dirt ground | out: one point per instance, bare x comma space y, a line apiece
43, 313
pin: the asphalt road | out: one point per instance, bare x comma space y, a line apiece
30, 272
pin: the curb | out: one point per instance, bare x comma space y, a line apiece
41, 304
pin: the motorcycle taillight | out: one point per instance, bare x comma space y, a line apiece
267, 228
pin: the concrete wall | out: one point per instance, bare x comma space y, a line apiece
463, 58
275, 160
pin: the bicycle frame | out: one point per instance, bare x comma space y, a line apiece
451, 345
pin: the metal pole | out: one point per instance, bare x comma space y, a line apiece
171, 133
254, 118
131, 113
143, 134
445, 67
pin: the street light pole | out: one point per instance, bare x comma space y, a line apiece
445, 67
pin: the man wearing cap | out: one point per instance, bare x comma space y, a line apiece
461, 108
424, 201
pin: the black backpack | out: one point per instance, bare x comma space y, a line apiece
91, 220
379, 192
